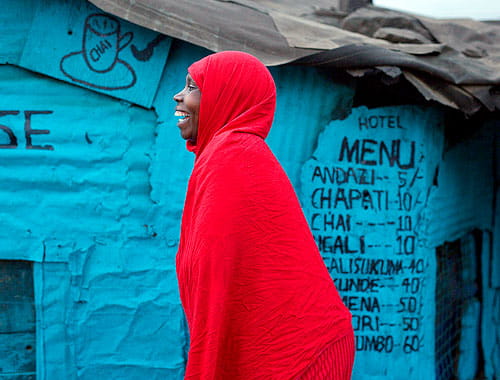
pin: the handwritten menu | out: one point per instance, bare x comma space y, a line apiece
363, 193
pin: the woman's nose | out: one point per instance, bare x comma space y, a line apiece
178, 96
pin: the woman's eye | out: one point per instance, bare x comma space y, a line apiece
191, 88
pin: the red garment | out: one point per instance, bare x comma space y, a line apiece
334, 363
259, 301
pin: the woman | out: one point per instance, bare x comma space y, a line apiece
259, 301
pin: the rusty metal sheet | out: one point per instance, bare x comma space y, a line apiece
461, 52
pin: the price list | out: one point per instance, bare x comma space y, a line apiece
363, 193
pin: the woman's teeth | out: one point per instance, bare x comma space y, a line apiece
184, 115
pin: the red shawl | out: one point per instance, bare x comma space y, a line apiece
259, 301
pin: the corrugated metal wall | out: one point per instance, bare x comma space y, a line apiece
364, 189
85, 208
93, 190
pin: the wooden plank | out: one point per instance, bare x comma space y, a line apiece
17, 320
17, 310
17, 317
16, 281
17, 353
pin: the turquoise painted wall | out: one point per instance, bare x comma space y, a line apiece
364, 190
82, 211
94, 182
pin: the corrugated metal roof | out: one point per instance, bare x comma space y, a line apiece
455, 62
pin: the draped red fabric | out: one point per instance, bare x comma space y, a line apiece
259, 301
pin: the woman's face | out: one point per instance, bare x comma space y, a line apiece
188, 108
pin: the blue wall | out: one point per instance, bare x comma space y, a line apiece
93, 189
364, 189
82, 210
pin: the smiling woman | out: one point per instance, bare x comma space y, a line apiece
188, 108
259, 301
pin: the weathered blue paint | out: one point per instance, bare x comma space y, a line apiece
464, 178
306, 101
85, 46
15, 20
462, 200
363, 191
490, 307
105, 282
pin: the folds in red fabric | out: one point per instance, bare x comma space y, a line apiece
259, 301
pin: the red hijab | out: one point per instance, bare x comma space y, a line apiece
259, 301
